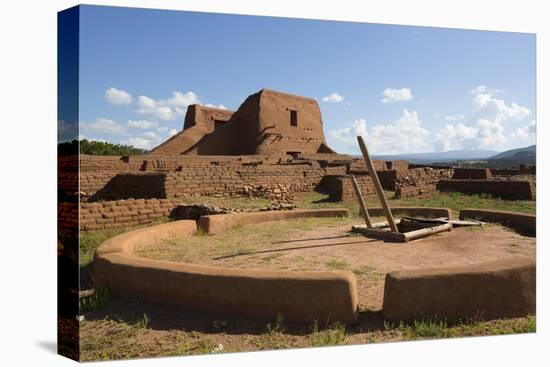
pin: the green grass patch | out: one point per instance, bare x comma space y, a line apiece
336, 264
436, 329
91, 240
452, 200
333, 335
96, 300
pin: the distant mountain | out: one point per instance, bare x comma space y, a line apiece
514, 152
433, 157
514, 157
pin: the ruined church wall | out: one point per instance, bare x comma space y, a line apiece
276, 131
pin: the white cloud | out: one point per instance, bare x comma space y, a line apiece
183, 100
118, 96
450, 135
103, 126
527, 132
147, 140
348, 135
483, 89
151, 108
172, 132
333, 98
396, 95
166, 109
455, 117
485, 129
142, 124
485, 106
404, 135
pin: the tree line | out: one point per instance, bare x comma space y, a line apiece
96, 148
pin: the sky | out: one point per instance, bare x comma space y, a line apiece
404, 89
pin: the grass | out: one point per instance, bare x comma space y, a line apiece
96, 300
334, 335
110, 339
430, 329
452, 200
240, 240
336, 264
106, 338
90, 241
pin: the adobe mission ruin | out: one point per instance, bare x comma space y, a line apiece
273, 147
267, 122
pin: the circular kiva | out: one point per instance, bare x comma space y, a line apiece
492, 289
299, 296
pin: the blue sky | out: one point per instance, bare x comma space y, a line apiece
405, 89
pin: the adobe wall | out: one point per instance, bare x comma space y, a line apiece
276, 134
398, 165
405, 183
340, 187
419, 181
472, 173
298, 296
205, 116
111, 178
496, 289
522, 170
216, 224
67, 178
262, 124
507, 189
521, 222
114, 214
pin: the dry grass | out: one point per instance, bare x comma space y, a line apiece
107, 338
240, 240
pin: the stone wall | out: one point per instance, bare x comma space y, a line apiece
340, 188
506, 189
410, 182
472, 173
114, 214
419, 181
111, 178
522, 170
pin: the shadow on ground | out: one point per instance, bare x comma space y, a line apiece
167, 318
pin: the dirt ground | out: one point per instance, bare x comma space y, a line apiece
328, 244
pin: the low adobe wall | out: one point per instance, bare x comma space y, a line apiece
472, 173
115, 177
114, 214
215, 224
419, 181
496, 289
254, 294
515, 190
524, 223
423, 212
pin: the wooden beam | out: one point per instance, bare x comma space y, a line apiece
362, 205
425, 232
377, 185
